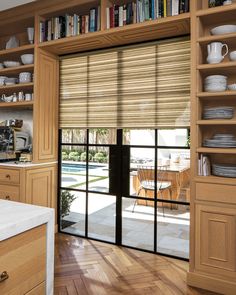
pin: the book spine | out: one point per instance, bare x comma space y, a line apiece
153, 9
165, 8
143, 11
83, 24
181, 6
98, 18
161, 8
186, 6
92, 20
46, 30
108, 17
146, 9
124, 14
116, 15
134, 9
175, 7
169, 7
121, 15
112, 17
41, 32
86, 24
78, 25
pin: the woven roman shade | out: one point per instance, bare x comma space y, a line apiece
130, 87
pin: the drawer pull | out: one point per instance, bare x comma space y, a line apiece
4, 276
8, 198
8, 176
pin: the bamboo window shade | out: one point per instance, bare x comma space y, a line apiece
143, 86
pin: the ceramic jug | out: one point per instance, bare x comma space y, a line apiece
214, 51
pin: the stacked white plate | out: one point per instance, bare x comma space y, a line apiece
224, 170
218, 113
221, 141
215, 83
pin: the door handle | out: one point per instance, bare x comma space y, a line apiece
4, 276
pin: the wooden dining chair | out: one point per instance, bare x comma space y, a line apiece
146, 179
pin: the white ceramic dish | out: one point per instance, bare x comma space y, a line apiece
11, 81
232, 55
225, 29
213, 77
27, 59
215, 88
11, 64
25, 77
232, 86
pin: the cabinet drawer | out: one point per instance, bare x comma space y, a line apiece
23, 257
216, 192
11, 176
11, 193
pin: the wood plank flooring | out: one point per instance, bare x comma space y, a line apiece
85, 267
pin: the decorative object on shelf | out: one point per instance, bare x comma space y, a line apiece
232, 86
215, 83
21, 96
2, 80
25, 77
218, 113
204, 166
221, 141
13, 42
232, 55
227, 2
225, 29
28, 96
214, 51
11, 81
11, 64
1, 65
7, 98
224, 170
27, 59
30, 33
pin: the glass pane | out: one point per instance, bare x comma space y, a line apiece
139, 137
73, 167
101, 217
139, 157
98, 169
102, 136
74, 135
174, 184
72, 212
138, 223
173, 137
173, 230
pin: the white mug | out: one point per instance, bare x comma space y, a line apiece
28, 96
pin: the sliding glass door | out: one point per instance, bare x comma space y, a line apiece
129, 187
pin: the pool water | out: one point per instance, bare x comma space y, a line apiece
69, 167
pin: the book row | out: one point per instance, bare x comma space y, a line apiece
142, 10
70, 25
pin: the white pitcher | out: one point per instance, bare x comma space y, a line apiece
214, 50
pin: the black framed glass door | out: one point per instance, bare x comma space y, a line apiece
129, 187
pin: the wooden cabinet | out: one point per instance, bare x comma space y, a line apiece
23, 263
35, 184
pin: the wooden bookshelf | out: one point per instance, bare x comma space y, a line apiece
216, 122
215, 180
17, 70
212, 11
217, 95
21, 49
17, 86
172, 26
206, 150
19, 104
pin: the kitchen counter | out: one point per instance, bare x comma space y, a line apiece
16, 218
23, 164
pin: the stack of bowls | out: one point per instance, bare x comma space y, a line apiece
215, 83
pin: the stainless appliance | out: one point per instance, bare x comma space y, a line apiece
21, 140
6, 143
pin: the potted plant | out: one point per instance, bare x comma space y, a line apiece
66, 200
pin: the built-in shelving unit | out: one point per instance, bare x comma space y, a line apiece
213, 210
19, 104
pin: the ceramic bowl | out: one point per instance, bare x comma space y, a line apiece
11, 64
25, 77
2, 80
11, 81
232, 55
225, 29
27, 59
232, 86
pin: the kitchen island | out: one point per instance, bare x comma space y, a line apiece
26, 249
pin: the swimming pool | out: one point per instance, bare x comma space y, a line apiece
70, 167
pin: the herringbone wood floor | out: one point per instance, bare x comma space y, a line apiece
85, 267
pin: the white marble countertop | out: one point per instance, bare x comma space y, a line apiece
16, 218
22, 164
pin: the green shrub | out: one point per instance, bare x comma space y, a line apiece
66, 200
74, 156
84, 155
99, 157
64, 156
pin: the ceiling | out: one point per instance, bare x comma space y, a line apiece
6, 4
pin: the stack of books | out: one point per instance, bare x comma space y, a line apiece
69, 25
142, 10
204, 166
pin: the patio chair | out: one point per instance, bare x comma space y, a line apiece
146, 178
